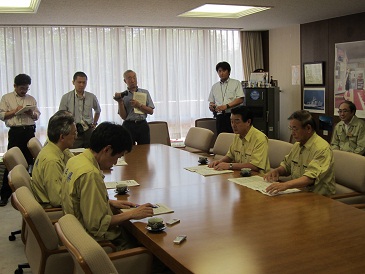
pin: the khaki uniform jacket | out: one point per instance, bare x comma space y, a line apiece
85, 196
47, 175
354, 140
253, 149
315, 160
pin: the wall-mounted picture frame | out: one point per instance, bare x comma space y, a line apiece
314, 100
313, 74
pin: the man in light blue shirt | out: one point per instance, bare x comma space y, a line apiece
134, 107
81, 104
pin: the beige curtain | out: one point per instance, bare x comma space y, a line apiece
251, 52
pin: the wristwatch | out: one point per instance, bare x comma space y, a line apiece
227, 106
230, 166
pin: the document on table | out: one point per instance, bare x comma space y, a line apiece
121, 162
158, 210
141, 98
258, 183
129, 183
24, 109
207, 171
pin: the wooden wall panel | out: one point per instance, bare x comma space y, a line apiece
318, 39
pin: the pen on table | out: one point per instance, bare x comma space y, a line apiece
153, 206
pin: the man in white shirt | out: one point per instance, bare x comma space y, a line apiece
224, 95
21, 124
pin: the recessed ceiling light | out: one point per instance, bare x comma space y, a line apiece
223, 11
19, 6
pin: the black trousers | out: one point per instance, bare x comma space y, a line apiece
17, 137
140, 131
223, 122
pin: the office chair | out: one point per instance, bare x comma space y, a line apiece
42, 248
159, 133
350, 178
222, 144
89, 256
19, 177
277, 151
14, 156
198, 140
209, 123
34, 146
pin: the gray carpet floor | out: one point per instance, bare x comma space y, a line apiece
11, 253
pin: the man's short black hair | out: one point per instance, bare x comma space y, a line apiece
79, 74
223, 66
115, 135
305, 118
245, 113
351, 105
22, 80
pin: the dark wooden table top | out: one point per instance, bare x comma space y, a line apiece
233, 229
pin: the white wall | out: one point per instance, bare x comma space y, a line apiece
284, 51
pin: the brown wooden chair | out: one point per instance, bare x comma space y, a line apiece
159, 133
208, 123
90, 257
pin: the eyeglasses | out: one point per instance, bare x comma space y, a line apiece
294, 129
24, 88
343, 111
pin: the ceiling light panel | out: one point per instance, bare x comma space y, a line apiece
223, 11
19, 6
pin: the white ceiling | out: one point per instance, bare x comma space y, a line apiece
163, 13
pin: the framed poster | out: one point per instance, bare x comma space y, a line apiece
349, 76
313, 74
314, 100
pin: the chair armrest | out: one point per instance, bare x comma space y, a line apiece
345, 195
360, 206
52, 209
135, 260
128, 252
108, 244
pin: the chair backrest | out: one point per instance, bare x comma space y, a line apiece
87, 254
277, 151
34, 146
159, 133
14, 156
209, 123
19, 177
349, 172
198, 140
222, 144
41, 247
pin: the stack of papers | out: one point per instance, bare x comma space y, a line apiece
24, 109
207, 171
158, 210
111, 185
121, 162
258, 183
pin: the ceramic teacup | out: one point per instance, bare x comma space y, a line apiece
155, 223
203, 160
121, 189
245, 172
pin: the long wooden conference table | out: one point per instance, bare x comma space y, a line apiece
233, 229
